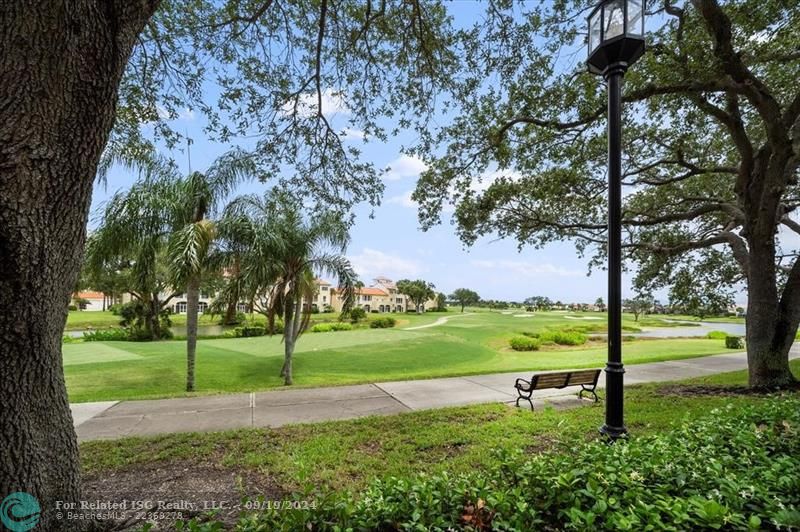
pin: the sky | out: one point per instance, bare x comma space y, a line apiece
390, 242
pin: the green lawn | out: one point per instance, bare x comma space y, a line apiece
348, 454
467, 344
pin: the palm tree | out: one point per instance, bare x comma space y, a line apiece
164, 218
134, 229
286, 251
200, 195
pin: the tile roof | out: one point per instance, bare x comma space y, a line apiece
89, 295
371, 291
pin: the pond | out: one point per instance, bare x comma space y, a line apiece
704, 327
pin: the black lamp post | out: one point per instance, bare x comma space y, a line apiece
616, 41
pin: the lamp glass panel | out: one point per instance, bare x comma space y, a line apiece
614, 19
594, 31
635, 17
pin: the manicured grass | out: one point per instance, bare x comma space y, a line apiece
348, 454
466, 344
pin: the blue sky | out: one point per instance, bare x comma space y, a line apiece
390, 243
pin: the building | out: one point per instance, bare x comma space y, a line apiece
91, 301
382, 296
324, 296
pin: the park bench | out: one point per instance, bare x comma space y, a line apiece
586, 379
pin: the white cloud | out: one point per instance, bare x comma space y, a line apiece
404, 166
371, 262
526, 268
404, 200
332, 104
485, 180
349, 133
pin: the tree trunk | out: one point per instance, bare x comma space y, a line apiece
288, 341
61, 66
230, 313
770, 330
192, 304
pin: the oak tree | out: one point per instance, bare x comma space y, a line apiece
711, 150
89, 83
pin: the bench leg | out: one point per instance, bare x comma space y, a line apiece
590, 390
528, 398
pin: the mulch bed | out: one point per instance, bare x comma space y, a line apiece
187, 488
686, 390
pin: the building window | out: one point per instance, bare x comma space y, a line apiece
180, 307
366, 298
202, 307
324, 299
241, 307
324, 288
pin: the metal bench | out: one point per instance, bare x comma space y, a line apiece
586, 379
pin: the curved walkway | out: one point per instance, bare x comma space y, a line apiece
109, 420
440, 321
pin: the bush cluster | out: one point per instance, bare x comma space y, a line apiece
107, 335
382, 323
734, 342
524, 343
247, 331
332, 326
736, 469
717, 335
561, 337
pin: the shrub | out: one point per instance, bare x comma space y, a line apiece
67, 339
114, 309
563, 337
328, 327
736, 469
249, 331
314, 309
382, 323
72, 308
717, 335
734, 342
328, 308
107, 335
524, 343
357, 314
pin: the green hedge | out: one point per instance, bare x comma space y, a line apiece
734, 342
717, 335
107, 335
333, 326
737, 469
382, 323
524, 343
561, 337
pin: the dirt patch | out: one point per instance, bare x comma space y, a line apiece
690, 390
179, 490
370, 447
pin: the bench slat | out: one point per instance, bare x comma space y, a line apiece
584, 377
551, 380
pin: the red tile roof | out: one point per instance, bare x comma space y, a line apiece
322, 282
371, 292
89, 295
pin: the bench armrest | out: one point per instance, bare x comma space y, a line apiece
522, 384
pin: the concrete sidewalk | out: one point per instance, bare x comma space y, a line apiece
109, 420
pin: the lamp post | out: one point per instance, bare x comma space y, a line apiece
616, 41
